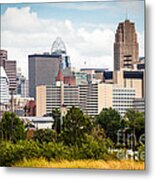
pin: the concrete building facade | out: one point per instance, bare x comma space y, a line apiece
130, 79
123, 99
139, 104
91, 99
95, 97
51, 97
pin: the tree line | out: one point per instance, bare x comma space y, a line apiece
82, 136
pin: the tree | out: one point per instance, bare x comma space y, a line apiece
56, 116
44, 135
136, 122
75, 126
110, 121
11, 127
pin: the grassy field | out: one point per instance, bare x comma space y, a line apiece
95, 164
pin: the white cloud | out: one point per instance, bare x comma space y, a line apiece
141, 44
24, 33
84, 6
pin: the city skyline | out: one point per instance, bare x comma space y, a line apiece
88, 35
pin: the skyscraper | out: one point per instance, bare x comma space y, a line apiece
126, 47
43, 69
10, 69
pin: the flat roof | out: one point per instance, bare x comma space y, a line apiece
37, 119
45, 55
95, 69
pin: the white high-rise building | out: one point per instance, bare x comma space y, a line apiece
123, 99
4, 87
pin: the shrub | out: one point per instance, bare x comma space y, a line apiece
90, 149
11, 153
44, 135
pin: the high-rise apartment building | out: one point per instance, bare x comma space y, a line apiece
126, 47
10, 69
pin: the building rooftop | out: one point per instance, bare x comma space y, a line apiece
95, 69
45, 55
37, 119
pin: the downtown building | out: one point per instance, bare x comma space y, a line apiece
4, 91
126, 47
129, 69
91, 98
10, 69
22, 85
86, 97
43, 68
4, 87
121, 89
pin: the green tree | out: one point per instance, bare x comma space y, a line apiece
44, 135
56, 116
11, 127
136, 122
110, 121
75, 126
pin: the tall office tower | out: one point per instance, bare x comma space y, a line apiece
126, 47
43, 69
10, 69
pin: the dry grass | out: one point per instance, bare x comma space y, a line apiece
89, 164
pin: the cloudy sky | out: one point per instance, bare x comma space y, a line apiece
87, 29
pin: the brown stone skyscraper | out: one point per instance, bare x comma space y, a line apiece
126, 47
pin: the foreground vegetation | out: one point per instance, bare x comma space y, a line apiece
87, 164
79, 142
